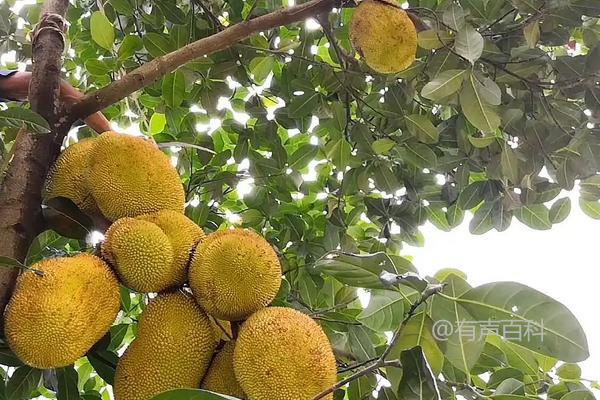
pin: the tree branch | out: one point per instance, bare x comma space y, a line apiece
151, 71
20, 193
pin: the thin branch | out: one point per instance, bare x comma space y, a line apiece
153, 70
382, 361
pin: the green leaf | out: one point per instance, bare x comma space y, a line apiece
19, 116
422, 128
469, 43
105, 364
261, 67
383, 146
445, 84
478, 112
384, 312
23, 382
302, 156
560, 210
454, 17
102, 31
418, 332
122, 6
472, 195
67, 384
419, 155
482, 221
535, 216
339, 151
437, 217
191, 394
359, 271
418, 381
158, 121
172, 13
360, 343
555, 331
532, 33
173, 89
156, 44
303, 105
432, 40
510, 165
455, 215
129, 45
569, 371
590, 208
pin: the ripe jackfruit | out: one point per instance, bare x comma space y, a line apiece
129, 177
282, 354
141, 254
384, 35
220, 377
68, 176
183, 234
54, 319
173, 349
234, 273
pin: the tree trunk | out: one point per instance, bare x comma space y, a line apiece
20, 194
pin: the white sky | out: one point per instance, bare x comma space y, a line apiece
561, 262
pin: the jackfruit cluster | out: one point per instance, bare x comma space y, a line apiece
60, 309
173, 349
186, 337
234, 273
384, 35
116, 175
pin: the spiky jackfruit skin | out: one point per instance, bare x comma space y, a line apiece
184, 235
384, 35
173, 349
54, 319
220, 377
129, 176
282, 354
141, 254
234, 273
68, 176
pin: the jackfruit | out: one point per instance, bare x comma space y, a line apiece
141, 254
282, 354
234, 273
220, 377
173, 349
183, 234
129, 176
68, 177
384, 35
55, 318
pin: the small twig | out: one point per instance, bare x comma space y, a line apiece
381, 362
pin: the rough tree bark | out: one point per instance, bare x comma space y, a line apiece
20, 194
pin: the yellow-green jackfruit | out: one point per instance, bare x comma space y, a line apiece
55, 318
234, 273
384, 35
183, 234
68, 176
129, 176
141, 254
173, 349
282, 354
220, 377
